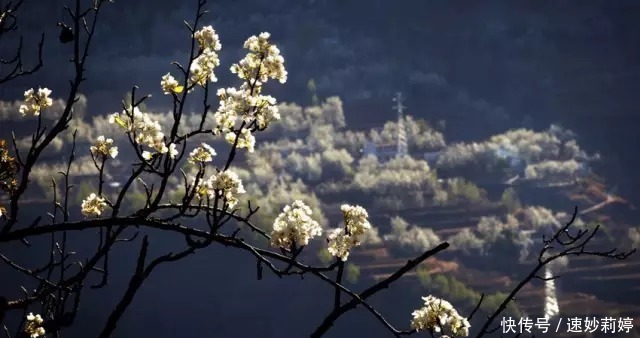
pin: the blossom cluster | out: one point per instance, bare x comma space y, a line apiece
262, 62
204, 153
33, 326
226, 183
34, 101
245, 139
246, 104
104, 147
241, 103
93, 205
8, 169
342, 240
208, 39
439, 316
203, 66
145, 130
170, 85
294, 226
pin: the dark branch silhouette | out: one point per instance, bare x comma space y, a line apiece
57, 285
14, 63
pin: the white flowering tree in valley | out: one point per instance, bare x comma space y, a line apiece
211, 195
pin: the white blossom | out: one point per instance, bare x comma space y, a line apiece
226, 183
147, 155
208, 38
229, 184
411, 237
356, 224
203, 66
203, 153
355, 219
261, 63
294, 226
34, 101
173, 151
204, 188
93, 205
440, 316
144, 129
266, 110
245, 139
34, 318
33, 326
339, 243
170, 85
561, 169
233, 102
242, 103
104, 147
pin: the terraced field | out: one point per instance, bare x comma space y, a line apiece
590, 286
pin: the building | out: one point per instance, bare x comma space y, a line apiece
383, 152
431, 157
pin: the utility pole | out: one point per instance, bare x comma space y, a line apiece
551, 308
399, 107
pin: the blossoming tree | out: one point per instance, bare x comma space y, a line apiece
210, 196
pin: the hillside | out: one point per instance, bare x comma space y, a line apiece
492, 199
588, 287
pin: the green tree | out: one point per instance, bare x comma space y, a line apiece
466, 190
424, 277
423, 125
311, 86
510, 199
352, 273
441, 283
493, 301
324, 256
